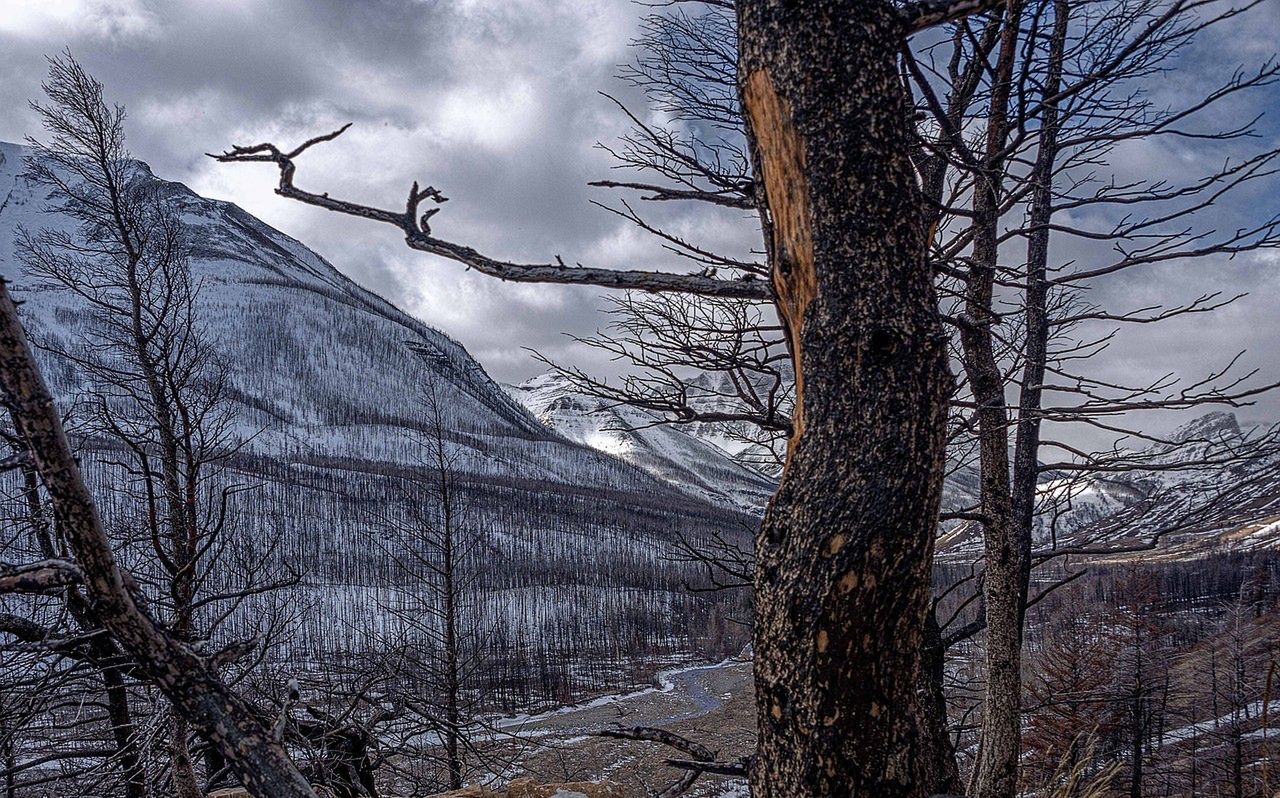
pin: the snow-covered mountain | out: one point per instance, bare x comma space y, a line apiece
321, 367
1229, 503
676, 454
718, 392
1212, 486
580, 502
326, 379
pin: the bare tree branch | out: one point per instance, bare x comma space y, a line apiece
928, 13
46, 576
417, 231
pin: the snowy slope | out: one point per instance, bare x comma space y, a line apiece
1230, 506
705, 459
321, 367
1160, 508
326, 378
672, 453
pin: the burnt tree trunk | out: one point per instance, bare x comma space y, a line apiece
10, 769
1026, 468
449, 612
844, 553
1007, 556
1014, 576
122, 730
182, 767
942, 773
935, 162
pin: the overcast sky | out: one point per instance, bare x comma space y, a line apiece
495, 102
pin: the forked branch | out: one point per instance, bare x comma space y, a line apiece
417, 231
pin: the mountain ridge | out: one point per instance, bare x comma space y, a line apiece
325, 383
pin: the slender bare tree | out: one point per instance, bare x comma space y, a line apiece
434, 540
126, 257
156, 388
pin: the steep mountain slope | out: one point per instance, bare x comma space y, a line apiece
326, 383
321, 366
710, 460
673, 453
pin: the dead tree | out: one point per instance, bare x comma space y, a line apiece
434, 542
1062, 89
1067, 698
1006, 562
157, 391
91, 179
69, 632
842, 573
722, 362
1069, 79
188, 679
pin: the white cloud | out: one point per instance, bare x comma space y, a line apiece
98, 19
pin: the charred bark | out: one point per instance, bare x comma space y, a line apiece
941, 771
843, 556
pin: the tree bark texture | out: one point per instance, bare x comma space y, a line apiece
1006, 559
844, 552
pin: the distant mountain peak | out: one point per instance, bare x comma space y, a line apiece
1210, 426
674, 453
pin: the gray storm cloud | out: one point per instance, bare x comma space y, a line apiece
496, 102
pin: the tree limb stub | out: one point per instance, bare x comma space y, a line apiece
45, 576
